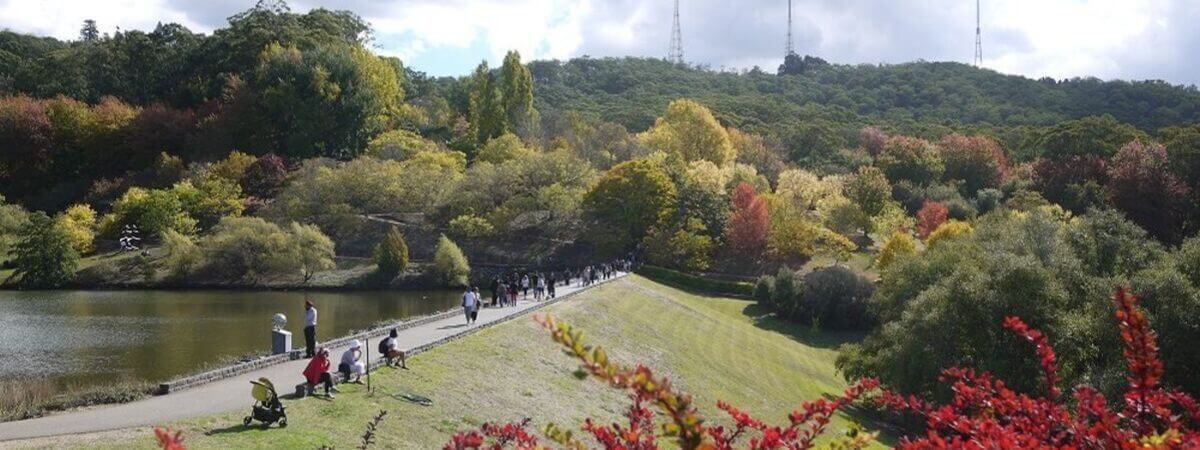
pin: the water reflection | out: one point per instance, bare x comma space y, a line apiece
85, 338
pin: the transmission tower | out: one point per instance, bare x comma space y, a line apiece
675, 54
978, 38
790, 49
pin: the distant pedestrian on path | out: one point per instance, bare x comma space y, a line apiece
390, 349
540, 290
469, 301
478, 305
525, 286
310, 329
317, 372
495, 288
350, 363
550, 285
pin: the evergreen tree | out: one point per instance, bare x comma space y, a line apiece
89, 32
45, 256
391, 254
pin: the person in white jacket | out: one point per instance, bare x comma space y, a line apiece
351, 363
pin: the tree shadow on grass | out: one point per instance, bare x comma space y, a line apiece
239, 428
804, 334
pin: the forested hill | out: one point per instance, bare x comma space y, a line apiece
633, 91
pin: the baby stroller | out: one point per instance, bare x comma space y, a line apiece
267, 407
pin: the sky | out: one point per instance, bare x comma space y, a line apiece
1109, 39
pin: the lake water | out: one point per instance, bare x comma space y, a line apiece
79, 339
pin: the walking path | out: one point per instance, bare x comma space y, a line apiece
233, 393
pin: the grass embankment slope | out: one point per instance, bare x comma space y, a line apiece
715, 348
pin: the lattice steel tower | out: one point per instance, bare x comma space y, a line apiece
790, 49
675, 54
978, 38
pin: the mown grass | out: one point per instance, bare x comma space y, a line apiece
716, 348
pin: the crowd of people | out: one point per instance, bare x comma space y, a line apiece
506, 290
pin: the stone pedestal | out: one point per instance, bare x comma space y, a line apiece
281, 342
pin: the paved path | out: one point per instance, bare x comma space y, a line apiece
233, 393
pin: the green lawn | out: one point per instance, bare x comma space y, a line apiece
715, 348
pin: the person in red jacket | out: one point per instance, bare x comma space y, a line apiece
317, 372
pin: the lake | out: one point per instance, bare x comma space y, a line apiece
79, 339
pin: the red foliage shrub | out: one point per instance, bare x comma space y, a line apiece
748, 223
265, 176
931, 215
169, 441
1070, 180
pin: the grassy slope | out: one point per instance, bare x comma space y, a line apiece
711, 347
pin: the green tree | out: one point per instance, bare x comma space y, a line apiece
690, 131
12, 220
1089, 136
399, 145
152, 211
516, 88
181, 255
450, 265
488, 117
249, 248
869, 190
45, 256
391, 254
915, 160
626, 202
504, 148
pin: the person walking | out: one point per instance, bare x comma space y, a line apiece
494, 287
310, 329
550, 285
468, 304
478, 304
540, 290
525, 286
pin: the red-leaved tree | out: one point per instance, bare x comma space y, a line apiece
931, 215
872, 139
1142, 185
746, 231
976, 160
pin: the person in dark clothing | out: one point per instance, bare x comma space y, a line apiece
550, 283
495, 292
310, 329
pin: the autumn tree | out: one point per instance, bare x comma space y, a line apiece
872, 139
690, 131
977, 161
931, 215
1142, 185
749, 222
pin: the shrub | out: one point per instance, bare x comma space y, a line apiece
450, 266
899, 245
685, 248
764, 289
45, 257
265, 177
948, 230
988, 199
12, 219
836, 297
786, 295
471, 226
399, 145
391, 254
249, 248
181, 255
79, 222
153, 211
504, 148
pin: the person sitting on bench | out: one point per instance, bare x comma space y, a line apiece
351, 365
317, 372
390, 349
